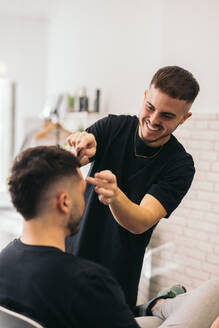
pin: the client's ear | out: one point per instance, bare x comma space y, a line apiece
63, 202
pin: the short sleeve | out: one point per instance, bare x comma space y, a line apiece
174, 183
99, 129
105, 302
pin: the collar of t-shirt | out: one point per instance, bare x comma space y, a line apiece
144, 150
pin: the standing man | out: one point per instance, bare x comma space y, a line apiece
139, 175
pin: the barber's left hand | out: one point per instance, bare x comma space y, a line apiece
105, 186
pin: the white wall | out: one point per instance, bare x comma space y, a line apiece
118, 45
23, 48
191, 40
113, 45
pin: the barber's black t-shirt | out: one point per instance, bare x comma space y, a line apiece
166, 173
60, 290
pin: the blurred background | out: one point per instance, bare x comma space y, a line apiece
65, 64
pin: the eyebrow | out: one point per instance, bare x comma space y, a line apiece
152, 106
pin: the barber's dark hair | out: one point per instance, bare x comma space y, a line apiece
176, 82
32, 173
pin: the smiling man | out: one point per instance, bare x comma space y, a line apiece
160, 116
139, 175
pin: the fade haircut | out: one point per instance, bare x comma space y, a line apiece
176, 82
33, 172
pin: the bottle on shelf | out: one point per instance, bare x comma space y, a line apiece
97, 101
83, 101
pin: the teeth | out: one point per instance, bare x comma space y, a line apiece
150, 127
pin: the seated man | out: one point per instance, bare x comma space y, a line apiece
39, 279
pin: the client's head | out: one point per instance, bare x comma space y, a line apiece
45, 183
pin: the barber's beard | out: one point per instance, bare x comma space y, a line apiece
151, 142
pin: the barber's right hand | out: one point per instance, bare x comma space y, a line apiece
83, 145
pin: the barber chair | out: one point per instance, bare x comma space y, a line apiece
11, 319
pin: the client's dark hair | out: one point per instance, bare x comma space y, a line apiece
32, 173
176, 82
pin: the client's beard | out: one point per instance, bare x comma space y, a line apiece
73, 225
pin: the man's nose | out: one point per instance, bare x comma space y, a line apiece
154, 119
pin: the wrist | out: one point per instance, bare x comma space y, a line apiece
117, 196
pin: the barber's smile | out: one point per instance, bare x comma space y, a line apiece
151, 128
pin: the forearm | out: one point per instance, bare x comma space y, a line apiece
129, 215
135, 218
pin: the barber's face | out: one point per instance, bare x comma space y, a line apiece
159, 117
77, 206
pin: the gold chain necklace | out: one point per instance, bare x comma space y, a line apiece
144, 156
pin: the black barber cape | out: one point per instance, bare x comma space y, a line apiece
167, 175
